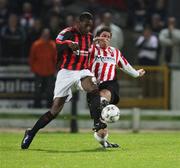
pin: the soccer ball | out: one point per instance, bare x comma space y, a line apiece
110, 113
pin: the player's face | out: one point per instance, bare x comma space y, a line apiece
86, 26
107, 37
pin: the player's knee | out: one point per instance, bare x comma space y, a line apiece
57, 106
92, 84
94, 80
89, 84
106, 94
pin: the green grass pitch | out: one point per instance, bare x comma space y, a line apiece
64, 150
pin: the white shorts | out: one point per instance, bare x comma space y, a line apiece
68, 79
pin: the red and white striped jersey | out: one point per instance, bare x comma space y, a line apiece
103, 62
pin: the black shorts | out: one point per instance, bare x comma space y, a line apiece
113, 87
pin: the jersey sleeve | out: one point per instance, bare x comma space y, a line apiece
63, 39
124, 65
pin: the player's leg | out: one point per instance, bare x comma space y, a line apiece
45, 119
90, 86
109, 91
62, 93
105, 97
102, 137
94, 101
57, 106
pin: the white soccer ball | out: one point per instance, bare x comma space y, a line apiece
110, 113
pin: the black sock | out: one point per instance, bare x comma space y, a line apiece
104, 103
93, 99
42, 122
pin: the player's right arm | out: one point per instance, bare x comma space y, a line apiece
64, 41
127, 68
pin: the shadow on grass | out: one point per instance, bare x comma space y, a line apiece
73, 151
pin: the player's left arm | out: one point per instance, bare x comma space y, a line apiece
127, 68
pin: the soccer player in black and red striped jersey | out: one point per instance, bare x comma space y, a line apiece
103, 62
73, 45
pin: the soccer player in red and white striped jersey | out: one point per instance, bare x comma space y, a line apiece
104, 59
103, 62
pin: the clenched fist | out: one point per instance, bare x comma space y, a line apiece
74, 46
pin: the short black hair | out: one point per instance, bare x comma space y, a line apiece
85, 15
102, 29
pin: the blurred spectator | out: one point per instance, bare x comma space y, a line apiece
3, 13
156, 23
27, 18
0, 52
56, 9
33, 34
42, 61
13, 38
93, 6
116, 4
139, 14
147, 44
70, 20
35, 31
159, 7
54, 25
170, 41
3, 20
46, 5
117, 40
148, 47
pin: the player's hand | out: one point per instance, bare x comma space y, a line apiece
102, 41
74, 46
141, 72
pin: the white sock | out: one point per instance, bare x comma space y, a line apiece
100, 139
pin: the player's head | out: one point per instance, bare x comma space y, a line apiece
85, 22
104, 32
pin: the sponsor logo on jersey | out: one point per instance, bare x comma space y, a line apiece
105, 59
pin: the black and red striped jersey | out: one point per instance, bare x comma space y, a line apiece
68, 59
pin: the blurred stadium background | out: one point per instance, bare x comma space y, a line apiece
148, 103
